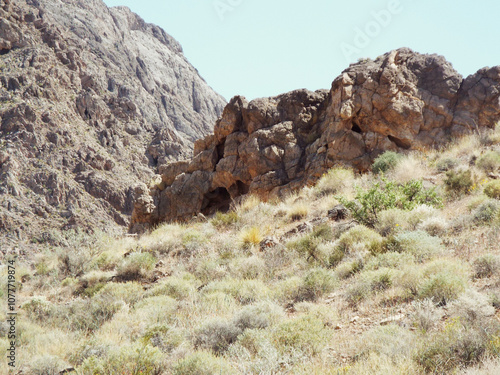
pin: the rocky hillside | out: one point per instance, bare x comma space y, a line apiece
270, 147
91, 100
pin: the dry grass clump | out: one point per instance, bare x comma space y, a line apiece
251, 237
410, 167
335, 181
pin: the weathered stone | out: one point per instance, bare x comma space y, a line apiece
401, 101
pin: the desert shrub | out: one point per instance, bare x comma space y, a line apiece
316, 283
459, 345
486, 266
418, 243
258, 316
359, 235
326, 313
88, 315
334, 181
193, 240
472, 307
391, 221
251, 237
446, 164
127, 359
163, 337
157, 310
136, 266
459, 182
248, 268
175, 287
444, 281
129, 292
92, 282
492, 189
386, 161
310, 244
385, 195
222, 220
298, 211
489, 162
202, 363
369, 282
391, 341
208, 270
216, 335
47, 365
486, 212
435, 226
244, 291
419, 214
389, 260
306, 333
38, 308
425, 314
349, 268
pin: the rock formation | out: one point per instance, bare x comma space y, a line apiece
270, 147
92, 99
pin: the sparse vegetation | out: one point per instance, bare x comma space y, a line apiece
210, 297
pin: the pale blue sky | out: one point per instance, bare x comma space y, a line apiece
262, 48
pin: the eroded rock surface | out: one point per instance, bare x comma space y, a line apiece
270, 147
92, 99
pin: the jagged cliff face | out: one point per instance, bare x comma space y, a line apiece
92, 99
271, 147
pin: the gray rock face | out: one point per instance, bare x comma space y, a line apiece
270, 147
92, 99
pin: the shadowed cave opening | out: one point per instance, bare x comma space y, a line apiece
4, 51
356, 128
216, 200
402, 143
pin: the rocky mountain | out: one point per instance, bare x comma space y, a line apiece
92, 99
402, 101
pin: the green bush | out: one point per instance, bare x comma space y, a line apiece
489, 162
459, 182
388, 160
486, 212
492, 189
457, 346
385, 195
306, 333
163, 337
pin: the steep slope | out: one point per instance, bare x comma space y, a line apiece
270, 147
91, 99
